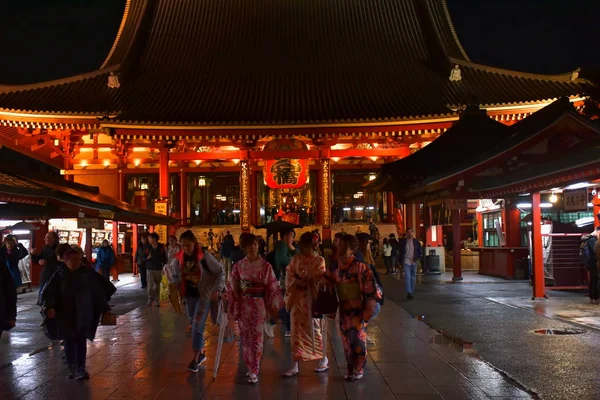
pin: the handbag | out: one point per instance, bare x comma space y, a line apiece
327, 300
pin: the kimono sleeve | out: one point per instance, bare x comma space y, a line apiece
369, 289
233, 290
273, 298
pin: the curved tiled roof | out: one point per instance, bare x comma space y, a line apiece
203, 62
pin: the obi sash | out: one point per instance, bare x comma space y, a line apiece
348, 291
249, 289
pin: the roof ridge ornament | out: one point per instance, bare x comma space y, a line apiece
455, 74
113, 81
575, 74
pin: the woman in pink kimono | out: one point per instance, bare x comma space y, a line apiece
304, 276
255, 296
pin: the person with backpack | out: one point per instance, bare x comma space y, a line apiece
156, 258
201, 275
12, 252
588, 254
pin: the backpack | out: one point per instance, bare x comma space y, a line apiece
586, 250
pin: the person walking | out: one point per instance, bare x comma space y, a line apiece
304, 277
201, 276
226, 253
358, 296
8, 299
284, 251
211, 238
410, 254
140, 259
75, 300
11, 253
589, 258
254, 294
106, 259
156, 257
387, 256
395, 251
46, 258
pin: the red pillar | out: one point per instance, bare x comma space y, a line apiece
163, 171
318, 209
115, 244
88, 244
391, 207
512, 225
183, 197
457, 245
134, 244
38, 244
537, 259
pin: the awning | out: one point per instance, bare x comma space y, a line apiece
53, 197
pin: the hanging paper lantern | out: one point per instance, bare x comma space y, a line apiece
286, 173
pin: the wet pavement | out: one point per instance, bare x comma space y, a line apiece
500, 321
146, 354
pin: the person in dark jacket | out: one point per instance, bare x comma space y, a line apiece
140, 259
8, 300
74, 300
237, 253
12, 252
395, 251
46, 258
156, 258
410, 254
226, 252
105, 259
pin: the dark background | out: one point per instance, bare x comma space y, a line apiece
50, 39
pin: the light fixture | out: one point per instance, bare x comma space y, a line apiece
236, 211
359, 208
144, 185
63, 172
524, 194
374, 158
106, 163
372, 177
56, 142
20, 232
553, 198
580, 185
202, 181
546, 205
236, 161
84, 164
198, 162
335, 159
3, 203
524, 205
136, 162
346, 208
370, 208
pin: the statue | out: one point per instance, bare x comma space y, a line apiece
455, 74
113, 81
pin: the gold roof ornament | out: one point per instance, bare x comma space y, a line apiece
113, 81
575, 74
455, 74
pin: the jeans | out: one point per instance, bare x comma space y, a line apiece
75, 352
154, 278
410, 277
197, 311
143, 276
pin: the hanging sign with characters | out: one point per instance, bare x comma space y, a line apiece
286, 173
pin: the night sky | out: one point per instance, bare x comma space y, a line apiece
50, 39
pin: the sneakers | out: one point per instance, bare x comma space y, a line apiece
82, 375
149, 304
202, 359
193, 366
269, 330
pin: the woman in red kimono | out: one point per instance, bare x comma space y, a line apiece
254, 292
358, 295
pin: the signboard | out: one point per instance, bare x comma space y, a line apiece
456, 204
575, 200
286, 173
87, 223
161, 207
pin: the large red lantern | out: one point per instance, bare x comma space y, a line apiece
286, 173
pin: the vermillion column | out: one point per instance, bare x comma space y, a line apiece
245, 194
457, 245
253, 197
134, 246
512, 225
391, 209
163, 171
325, 203
539, 283
183, 197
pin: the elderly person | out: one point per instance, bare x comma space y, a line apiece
201, 275
12, 252
74, 299
46, 257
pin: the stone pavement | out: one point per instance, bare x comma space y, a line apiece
146, 354
499, 319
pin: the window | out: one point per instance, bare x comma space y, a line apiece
490, 234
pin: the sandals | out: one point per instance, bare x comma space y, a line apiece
323, 365
291, 373
252, 378
354, 376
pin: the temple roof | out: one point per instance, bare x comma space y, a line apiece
228, 62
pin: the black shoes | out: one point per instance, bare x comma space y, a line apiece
195, 366
410, 296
